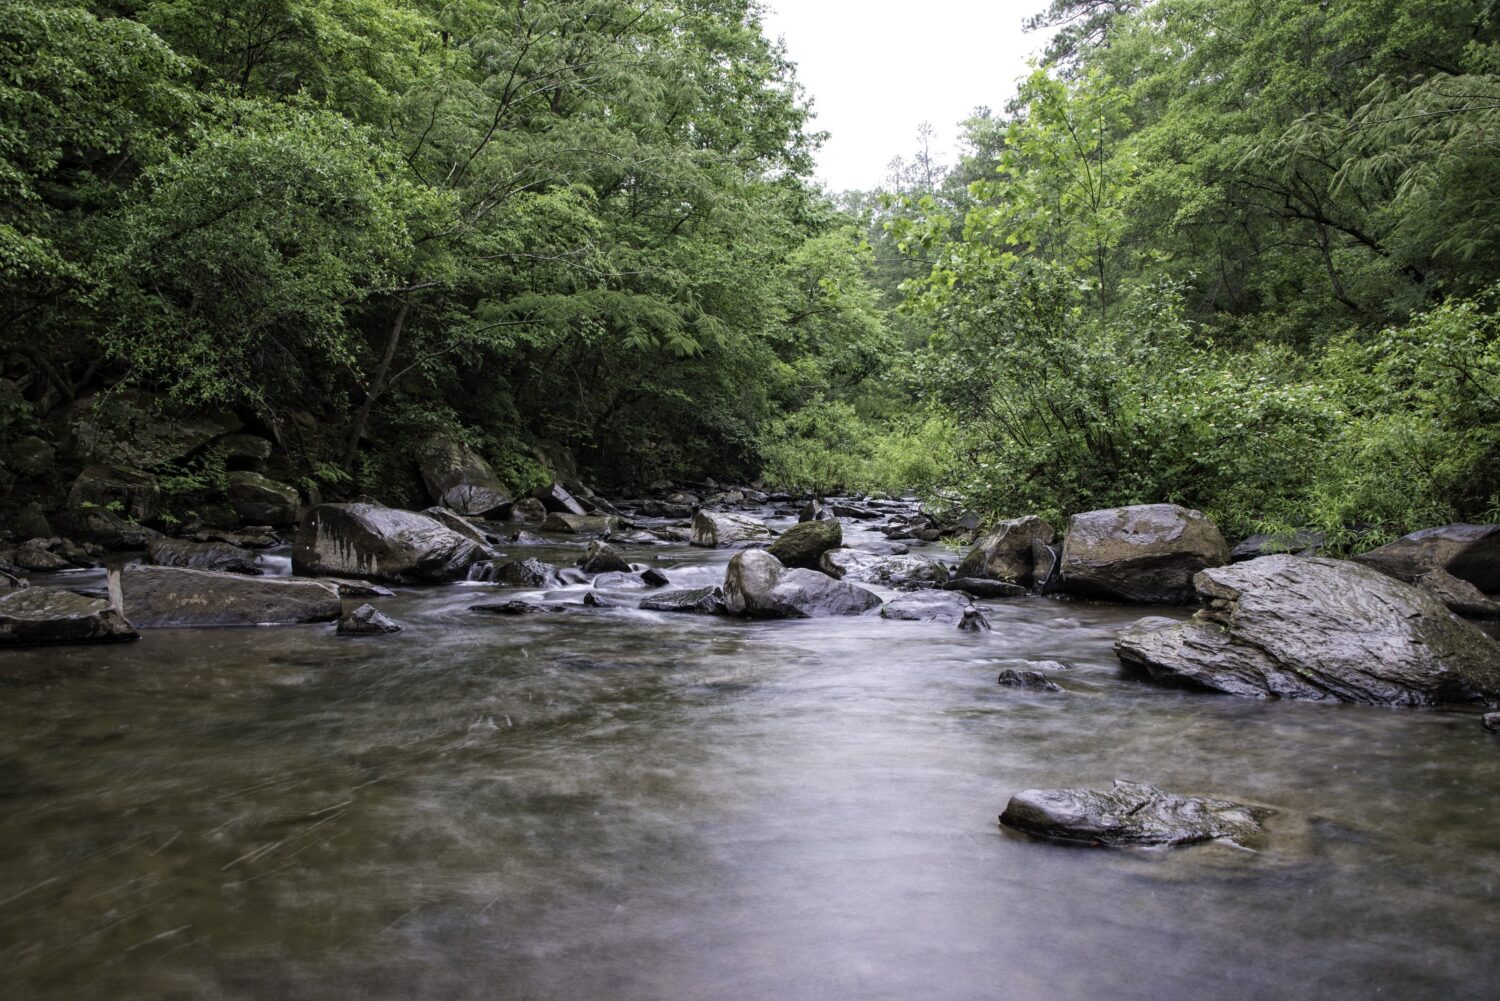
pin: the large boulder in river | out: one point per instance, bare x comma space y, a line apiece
717, 530
218, 556
1468, 552
35, 616
804, 544
1320, 629
1006, 553
909, 571
176, 597
1131, 814
1147, 553
459, 479
381, 544
131, 492
758, 586
260, 500
554, 497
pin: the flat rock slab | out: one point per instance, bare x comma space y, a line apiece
1131, 814
859, 567
1318, 629
177, 597
38, 616
696, 600
947, 607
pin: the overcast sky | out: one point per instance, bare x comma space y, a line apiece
875, 69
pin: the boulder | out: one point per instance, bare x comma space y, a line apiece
908, 571
980, 588
34, 556
947, 607
1303, 542
528, 510
554, 498
127, 428
1005, 551
457, 523
974, 621
170, 597
381, 544
30, 456
1147, 554
31, 523
367, 620
103, 527
855, 513
814, 510
1131, 814
130, 492
804, 544
250, 448
593, 599
1318, 629
583, 524
1459, 595
216, 556
521, 573
1468, 552
259, 500
717, 530
601, 557
697, 600
459, 479
758, 586
653, 577
245, 540
36, 616
350, 588
1034, 680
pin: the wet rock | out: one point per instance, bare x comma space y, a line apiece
895, 571
104, 528
459, 479
555, 498
1304, 542
947, 607
1131, 814
653, 577
521, 573
879, 547
367, 620
350, 588
640, 538
528, 510
1491, 722
981, 588
245, 540
130, 492
603, 558
815, 510
804, 544
717, 530
1033, 680
169, 597
855, 513
1468, 552
260, 500
456, 522
528, 539
1318, 629
1046, 568
1042, 666
380, 544
34, 556
136, 429
756, 585
974, 621
37, 616
215, 556
614, 581
593, 599
516, 607
1005, 551
1459, 595
697, 600
583, 524
1147, 553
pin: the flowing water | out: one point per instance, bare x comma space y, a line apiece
615, 804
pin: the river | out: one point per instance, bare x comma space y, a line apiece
629, 806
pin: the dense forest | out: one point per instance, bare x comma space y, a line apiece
1236, 254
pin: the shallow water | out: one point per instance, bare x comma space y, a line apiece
611, 804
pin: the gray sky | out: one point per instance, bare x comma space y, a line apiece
875, 69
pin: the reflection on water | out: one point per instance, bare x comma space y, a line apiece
614, 804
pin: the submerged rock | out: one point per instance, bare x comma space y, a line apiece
804, 544
1033, 680
697, 600
1131, 814
718, 530
382, 544
1468, 552
1319, 629
37, 616
756, 585
1005, 552
154, 597
367, 620
218, 556
1147, 553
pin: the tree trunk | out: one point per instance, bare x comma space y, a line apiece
376, 387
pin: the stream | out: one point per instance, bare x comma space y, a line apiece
631, 806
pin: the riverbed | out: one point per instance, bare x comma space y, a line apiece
631, 806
